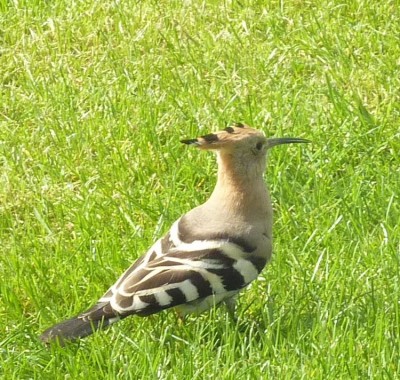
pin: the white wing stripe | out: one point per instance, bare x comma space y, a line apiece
214, 280
248, 271
189, 290
230, 249
163, 298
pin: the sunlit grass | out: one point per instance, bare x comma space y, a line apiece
95, 97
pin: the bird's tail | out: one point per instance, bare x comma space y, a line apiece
98, 317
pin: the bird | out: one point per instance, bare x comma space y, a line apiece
209, 254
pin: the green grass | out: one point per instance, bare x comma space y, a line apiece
94, 99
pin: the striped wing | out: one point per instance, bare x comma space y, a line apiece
175, 273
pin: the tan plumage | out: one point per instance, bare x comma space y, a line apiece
210, 253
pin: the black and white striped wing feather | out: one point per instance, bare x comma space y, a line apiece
194, 275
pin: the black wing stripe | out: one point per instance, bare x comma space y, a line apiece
177, 295
150, 299
231, 279
258, 262
203, 286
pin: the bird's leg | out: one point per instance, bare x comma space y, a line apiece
230, 304
180, 317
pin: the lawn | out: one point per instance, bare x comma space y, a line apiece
95, 97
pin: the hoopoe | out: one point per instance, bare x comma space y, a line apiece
210, 253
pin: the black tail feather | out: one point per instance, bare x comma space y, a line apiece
98, 317
72, 329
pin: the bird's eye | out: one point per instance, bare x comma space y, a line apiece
259, 145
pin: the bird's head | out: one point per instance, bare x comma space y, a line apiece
240, 144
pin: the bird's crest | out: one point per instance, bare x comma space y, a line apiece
230, 135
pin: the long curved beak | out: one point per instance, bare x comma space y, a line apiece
285, 140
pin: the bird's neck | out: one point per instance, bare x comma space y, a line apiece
240, 188
239, 205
